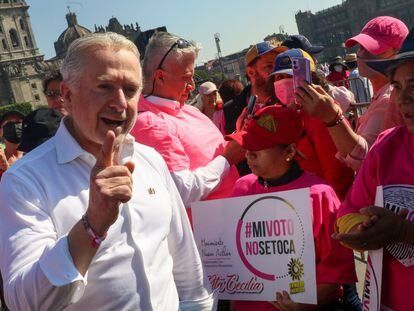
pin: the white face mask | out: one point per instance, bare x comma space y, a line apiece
285, 91
338, 68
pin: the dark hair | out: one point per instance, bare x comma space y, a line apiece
52, 75
229, 89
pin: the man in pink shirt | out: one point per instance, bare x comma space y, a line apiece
381, 38
191, 145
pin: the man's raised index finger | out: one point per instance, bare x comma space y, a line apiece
106, 155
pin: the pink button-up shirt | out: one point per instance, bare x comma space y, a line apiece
190, 144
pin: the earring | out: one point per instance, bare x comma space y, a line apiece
288, 159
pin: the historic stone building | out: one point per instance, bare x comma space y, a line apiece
74, 31
331, 27
133, 33
70, 34
21, 64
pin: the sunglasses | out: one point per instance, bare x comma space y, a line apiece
52, 93
180, 44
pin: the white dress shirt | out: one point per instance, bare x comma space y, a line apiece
149, 260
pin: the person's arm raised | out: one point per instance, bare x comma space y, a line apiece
109, 186
317, 103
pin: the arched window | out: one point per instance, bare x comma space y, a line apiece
3, 41
26, 41
14, 38
22, 26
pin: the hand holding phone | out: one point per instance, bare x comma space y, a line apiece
301, 71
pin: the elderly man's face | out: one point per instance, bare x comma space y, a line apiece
403, 82
106, 97
177, 78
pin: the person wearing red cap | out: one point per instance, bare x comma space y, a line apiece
200, 162
381, 38
270, 138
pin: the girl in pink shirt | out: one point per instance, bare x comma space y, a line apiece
269, 138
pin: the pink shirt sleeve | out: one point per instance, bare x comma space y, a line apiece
362, 192
155, 132
334, 263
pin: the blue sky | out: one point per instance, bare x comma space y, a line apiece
239, 22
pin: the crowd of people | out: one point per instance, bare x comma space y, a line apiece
96, 190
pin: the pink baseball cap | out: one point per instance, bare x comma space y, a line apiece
380, 34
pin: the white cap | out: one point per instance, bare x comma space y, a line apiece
207, 88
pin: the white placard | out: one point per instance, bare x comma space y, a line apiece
253, 246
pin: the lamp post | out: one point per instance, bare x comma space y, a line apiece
217, 39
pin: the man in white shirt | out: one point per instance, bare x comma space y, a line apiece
133, 248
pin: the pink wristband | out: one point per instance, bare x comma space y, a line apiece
96, 240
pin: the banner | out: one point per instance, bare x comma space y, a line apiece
371, 298
394, 198
253, 246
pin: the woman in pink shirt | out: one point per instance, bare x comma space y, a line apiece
270, 138
388, 164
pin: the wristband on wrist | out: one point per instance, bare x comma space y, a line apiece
338, 119
96, 239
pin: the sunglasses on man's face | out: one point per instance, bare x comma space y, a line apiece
52, 93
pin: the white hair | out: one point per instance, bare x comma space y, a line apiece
72, 65
158, 46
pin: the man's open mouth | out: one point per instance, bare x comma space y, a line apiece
111, 122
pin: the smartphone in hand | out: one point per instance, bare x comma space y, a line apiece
301, 70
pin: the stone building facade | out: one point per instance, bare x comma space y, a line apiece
21, 64
132, 32
331, 27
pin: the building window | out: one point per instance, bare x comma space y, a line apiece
22, 27
26, 41
37, 97
34, 86
13, 37
3, 41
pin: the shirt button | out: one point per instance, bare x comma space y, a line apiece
135, 235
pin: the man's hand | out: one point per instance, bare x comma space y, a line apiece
234, 153
316, 102
383, 228
109, 186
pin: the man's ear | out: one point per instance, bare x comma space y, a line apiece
66, 94
250, 72
159, 76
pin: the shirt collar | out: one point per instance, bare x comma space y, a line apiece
167, 105
68, 149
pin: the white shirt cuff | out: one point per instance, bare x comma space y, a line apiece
57, 264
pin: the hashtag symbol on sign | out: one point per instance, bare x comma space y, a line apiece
248, 231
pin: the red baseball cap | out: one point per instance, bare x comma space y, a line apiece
380, 34
269, 127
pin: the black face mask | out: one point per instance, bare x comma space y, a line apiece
12, 132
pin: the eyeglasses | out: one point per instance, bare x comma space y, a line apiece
181, 44
52, 93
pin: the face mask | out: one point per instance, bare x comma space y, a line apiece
12, 132
285, 91
338, 68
